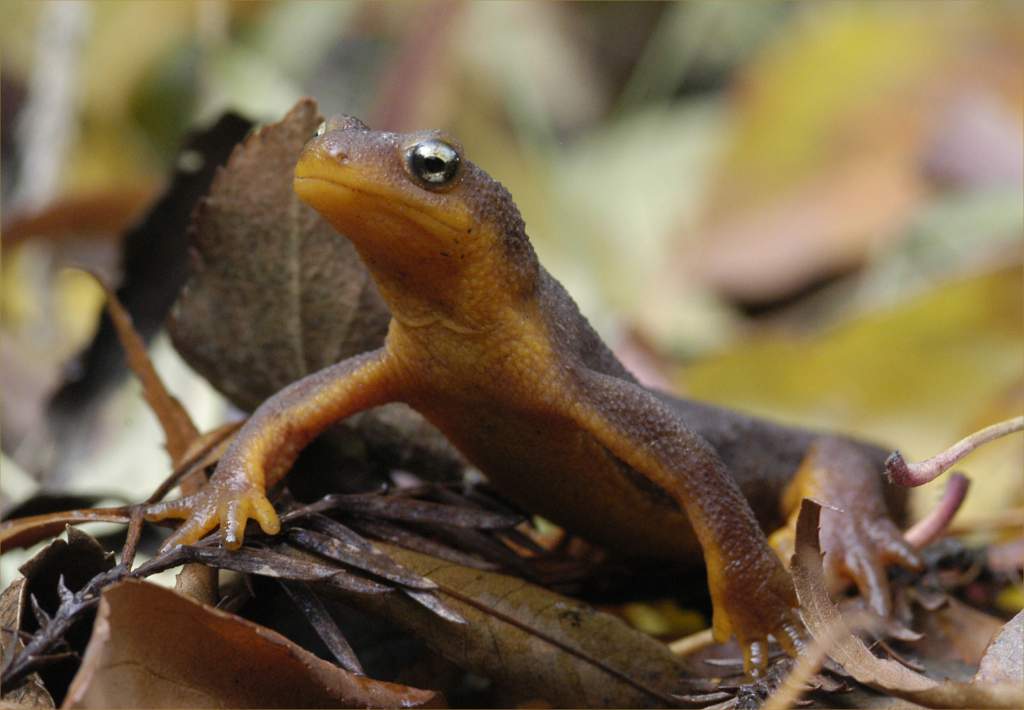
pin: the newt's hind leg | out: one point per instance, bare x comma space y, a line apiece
857, 534
751, 591
266, 447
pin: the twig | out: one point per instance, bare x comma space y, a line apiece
131, 541
930, 527
916, 474
692, 643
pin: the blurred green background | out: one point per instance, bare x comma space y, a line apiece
810, 210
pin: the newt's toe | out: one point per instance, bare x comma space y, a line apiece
755, 657
189, 532
264, 514
894, 548
869, 574
792, 637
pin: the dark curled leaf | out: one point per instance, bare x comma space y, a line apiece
387, 532
421, 511
432, 602
267, 273
268, 563
365, 557
323, 624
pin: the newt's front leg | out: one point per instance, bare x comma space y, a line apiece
267, 446
752, 594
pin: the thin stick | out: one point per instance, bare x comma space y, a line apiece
692, 643
931, 526
916, 474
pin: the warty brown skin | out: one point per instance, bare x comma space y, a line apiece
491, 349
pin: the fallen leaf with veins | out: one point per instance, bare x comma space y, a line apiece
532, 642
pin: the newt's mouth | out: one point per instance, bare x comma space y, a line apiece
333, 195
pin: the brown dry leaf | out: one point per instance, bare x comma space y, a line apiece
955, 631
32, 693
154, 648
179, 431
78, 559
532, 642
274, 292
1004, 660
826, 624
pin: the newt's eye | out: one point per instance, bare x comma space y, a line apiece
433, 162
321, 129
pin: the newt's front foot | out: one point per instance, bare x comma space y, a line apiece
754, 611
857, 548
860, 548
227, 501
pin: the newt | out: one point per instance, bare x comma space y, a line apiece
492, 350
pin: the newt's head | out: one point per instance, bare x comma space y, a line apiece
441, 237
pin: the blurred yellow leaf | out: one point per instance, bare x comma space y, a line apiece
918, 376
795, 97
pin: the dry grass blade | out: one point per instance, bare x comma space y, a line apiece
366, 557
431, 601
829, 628
268, 563
323, 624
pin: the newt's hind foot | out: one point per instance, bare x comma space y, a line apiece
755, 603
224, 501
